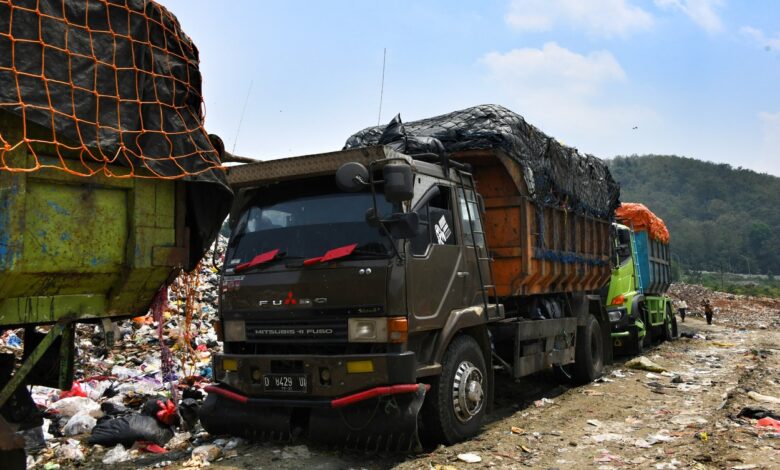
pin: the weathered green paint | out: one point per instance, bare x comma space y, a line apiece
82, 247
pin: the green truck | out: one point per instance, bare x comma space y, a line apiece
637, 306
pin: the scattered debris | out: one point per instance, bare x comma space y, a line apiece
763, 398
643, 363
469, 458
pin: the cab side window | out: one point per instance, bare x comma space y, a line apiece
469, 214
436, 223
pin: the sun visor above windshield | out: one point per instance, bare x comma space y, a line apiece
273, 171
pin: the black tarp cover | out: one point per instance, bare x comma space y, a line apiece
115, 83
555, 174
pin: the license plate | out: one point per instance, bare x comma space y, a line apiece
286, 383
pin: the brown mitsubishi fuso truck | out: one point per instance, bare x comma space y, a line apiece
368, 295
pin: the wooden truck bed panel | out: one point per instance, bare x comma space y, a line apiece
536, 250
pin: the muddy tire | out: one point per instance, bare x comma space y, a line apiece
454, 407
670, 325
589, 352
636, 346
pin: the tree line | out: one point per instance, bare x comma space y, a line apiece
720, 218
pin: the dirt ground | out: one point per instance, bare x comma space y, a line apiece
684, 417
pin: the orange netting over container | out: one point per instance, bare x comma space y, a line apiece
101, 86
639, 217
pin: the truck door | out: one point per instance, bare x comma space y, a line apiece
435, 262
475, 261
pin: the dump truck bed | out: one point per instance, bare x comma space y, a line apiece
83, 247
536, 249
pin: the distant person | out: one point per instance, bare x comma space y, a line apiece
682, 306
708, 311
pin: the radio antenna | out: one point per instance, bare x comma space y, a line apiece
382, 89
241, 119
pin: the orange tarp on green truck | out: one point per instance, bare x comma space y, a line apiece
640, 217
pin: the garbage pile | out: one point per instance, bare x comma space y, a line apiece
137, 398
739, 311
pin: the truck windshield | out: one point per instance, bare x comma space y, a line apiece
308, 226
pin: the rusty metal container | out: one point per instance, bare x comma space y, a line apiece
536, 249
74, 247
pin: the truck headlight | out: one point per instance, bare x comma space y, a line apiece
614, 315
368, 330
235, 330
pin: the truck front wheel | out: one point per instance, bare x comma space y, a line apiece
589, 352
454, 406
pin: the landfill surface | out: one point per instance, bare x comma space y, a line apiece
710, 399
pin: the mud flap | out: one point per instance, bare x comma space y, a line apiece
220, 416
381, 424
385, 423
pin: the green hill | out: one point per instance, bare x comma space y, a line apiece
719, 217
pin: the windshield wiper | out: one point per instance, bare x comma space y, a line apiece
343, 252
262, 258
332, 254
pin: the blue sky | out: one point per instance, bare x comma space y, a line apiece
698, 78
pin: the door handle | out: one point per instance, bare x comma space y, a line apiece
462, 273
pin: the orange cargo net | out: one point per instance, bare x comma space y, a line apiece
92, 86
640, 217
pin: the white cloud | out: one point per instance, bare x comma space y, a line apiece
562, 92
701, 12
762, 39
769, 160
599, 17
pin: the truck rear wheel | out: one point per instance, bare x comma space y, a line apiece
589, 352
645, 316
670, 325
454, 406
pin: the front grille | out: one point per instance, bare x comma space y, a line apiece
320, 330
313, 348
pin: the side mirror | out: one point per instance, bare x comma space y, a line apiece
403, 225
399, 183
400, 225
352, 177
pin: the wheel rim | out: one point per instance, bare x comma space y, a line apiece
468, 395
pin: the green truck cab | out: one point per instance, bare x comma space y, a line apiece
637, 305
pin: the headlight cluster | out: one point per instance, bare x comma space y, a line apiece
615, 315
378, 330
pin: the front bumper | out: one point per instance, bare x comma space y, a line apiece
247, 371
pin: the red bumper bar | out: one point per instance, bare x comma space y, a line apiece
335, 403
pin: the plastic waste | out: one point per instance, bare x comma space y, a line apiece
75, 391
70, 450
768, 423
80, 423
756, 413
764, 398
71, 406
469, 458
126, 430
116, 455
13, 341
643, 363
206, 453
